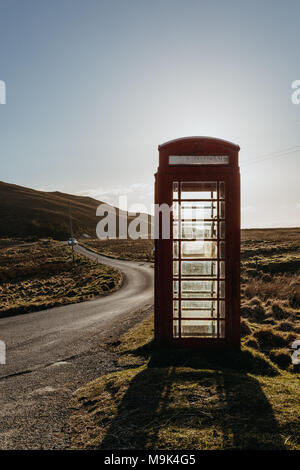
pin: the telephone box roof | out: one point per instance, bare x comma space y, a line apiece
199, 139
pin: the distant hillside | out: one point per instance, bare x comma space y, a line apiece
25, 212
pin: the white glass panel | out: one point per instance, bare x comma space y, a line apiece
198, 230
198, 249
198, 289
199, 268
199, 190
198, 309
199, 328
198, 210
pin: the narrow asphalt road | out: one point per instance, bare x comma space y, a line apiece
52, 352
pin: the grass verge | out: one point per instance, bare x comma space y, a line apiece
186, 400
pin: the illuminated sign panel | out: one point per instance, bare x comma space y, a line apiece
198, 160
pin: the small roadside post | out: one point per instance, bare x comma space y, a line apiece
71, 241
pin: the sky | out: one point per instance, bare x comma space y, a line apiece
94, 86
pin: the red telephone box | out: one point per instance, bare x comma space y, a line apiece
197, 267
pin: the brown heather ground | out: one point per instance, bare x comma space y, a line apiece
40, 275
271, 291
137, 250
187, 400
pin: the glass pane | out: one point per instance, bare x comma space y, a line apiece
199, 268
222, 250
198, 210
198, 230
175, 268
221, 190
199, 190
175, 249
199, 328
175, 190
222, 309
175, 308
222, 329
175, 210
222, 269
199, 249
175, 230
222, 210
222, 229
198, 309
222, 289
175, 289
198, 289
175, 329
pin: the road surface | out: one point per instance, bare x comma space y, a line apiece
52, 352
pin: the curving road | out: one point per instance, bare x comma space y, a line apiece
52, 352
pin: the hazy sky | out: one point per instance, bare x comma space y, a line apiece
94, 86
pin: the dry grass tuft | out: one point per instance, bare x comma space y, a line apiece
245, 328
281, 357
278, 312
253, 312
286, 326
251, 343
267, 337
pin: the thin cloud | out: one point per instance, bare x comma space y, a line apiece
136, 193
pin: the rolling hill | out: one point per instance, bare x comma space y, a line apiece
25, 212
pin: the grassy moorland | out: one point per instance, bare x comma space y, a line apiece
131, 250
40, 275
271, 291
188, 400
